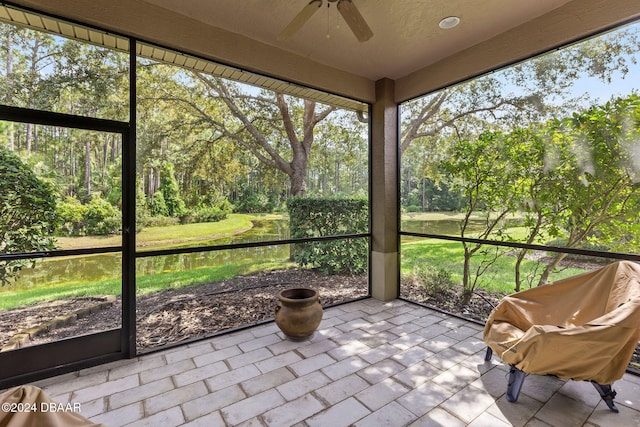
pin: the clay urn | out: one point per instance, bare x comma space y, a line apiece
298, 313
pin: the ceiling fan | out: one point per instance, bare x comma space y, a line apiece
347, 9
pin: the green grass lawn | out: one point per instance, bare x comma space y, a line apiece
450, 256
415, 252
150, 238
144, 284
168, 236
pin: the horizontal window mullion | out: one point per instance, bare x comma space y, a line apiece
192, 249
48, 118
60, 253
557, 249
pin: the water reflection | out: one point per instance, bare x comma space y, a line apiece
92, 268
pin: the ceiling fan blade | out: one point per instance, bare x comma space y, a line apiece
300, 19
354, 20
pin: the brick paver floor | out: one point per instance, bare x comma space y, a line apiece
369, 364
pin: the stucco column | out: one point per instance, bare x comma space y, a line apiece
384, 192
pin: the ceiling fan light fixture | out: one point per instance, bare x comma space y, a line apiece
300, 19
354, 20
347, 9
449, 22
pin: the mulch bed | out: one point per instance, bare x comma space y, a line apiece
175, 315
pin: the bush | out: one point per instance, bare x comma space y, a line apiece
434, 280
329, 217
160, 221
71, 214
255, 203
158, 206
101, 218
27, 213
205, 214
208, 213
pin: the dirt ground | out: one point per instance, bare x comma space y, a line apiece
175, 315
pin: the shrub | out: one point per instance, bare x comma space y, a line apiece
27, 213
71, 214
434, 280
207, 213
101, 218
171, 192
254, 203
329, 217
160, 221
210, 214
158, 206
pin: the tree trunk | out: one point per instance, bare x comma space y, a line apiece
27, 138
298, 183
8, 94
549, 269
519, 259
523, 252
87, 167
35, 139
466, 275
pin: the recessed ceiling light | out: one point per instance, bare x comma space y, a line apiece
449, 22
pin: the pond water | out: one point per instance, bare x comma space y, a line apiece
92, 268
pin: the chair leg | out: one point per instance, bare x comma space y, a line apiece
516, 379
487, 357
607, 394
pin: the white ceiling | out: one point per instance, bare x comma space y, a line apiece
406, 33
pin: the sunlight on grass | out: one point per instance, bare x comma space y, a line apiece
145, 284
450, 256
169, 236
414, 252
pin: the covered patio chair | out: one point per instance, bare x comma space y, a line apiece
584, 327
29, 406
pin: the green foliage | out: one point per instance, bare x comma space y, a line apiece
254, 203
412, 209
208, 213
101, 218
449, 255
329, 217
433, 279
142, 208
160, 221
98, 217
27, 214
481, 171
72, 215
574, 179
429, 196
158, 205
171, 192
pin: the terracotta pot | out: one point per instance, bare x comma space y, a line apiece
298, 313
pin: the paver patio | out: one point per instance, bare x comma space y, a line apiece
369, 364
